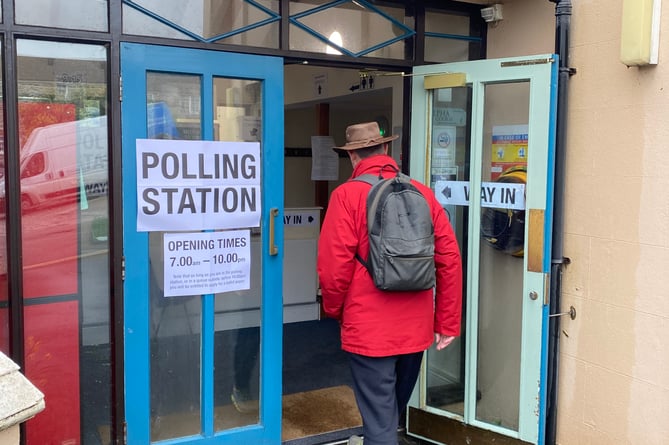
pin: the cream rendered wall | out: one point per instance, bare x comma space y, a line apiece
614, 360
10, 436
614, 368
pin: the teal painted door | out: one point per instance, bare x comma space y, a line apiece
483, 138
204, 365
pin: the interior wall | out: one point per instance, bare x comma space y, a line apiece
302, 87
346, 107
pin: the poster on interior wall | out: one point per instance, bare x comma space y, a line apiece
324, 160
197, 185
509, 148
206, 262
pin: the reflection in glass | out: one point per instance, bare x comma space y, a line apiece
237, 113
173, 112
72, 14
449, 161
438, 49
501, 269
361, 28
207, 20
450, 37
63, 134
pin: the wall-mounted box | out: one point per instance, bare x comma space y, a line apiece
640, 33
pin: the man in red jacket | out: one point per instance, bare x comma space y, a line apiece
385, 332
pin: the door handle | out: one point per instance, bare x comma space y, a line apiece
273, 248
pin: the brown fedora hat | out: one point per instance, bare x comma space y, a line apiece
366, 134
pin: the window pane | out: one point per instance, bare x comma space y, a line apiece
450, 152
237, 112
453, 41
442, 50
74, 14
65, 236
173, 112
446, 23
137, 23
501, 269
349, 25
207, 20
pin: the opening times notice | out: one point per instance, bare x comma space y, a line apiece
207, 262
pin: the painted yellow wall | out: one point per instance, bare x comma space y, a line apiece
614, 366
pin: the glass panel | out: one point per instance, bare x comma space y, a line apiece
138, 23
207, 19
73, 14
395, 51
266, 36
237, 112
445, 49
449, 161
349, 25
4, 293
501, 254
173, 112
63, 133
446, 23
442, 50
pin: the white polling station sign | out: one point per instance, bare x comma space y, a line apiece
500, 195
197, 185
206, 262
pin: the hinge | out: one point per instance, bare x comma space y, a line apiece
120, 88
125, 432
122, 268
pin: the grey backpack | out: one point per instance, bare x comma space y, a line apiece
401, 234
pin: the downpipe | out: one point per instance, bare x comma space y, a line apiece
563, 11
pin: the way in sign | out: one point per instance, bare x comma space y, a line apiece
502, 195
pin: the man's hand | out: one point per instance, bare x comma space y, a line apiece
442, 341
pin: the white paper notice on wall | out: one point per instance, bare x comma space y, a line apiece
197, 185
324, 160
206, 262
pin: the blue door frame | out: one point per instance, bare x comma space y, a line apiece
136, 61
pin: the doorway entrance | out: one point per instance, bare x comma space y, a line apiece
315, 369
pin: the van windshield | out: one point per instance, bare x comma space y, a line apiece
33, 166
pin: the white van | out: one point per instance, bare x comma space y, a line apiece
60, 161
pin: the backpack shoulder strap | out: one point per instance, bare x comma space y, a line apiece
371, 180
368, 178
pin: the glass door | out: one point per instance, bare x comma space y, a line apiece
482, 136
202, 202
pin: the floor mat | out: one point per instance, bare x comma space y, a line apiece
305, 414
320, 411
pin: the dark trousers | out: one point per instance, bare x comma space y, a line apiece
382, 387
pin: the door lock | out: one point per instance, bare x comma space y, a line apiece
534, 295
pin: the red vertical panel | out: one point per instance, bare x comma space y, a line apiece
50, 268
52, 365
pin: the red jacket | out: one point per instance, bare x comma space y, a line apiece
373, 322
